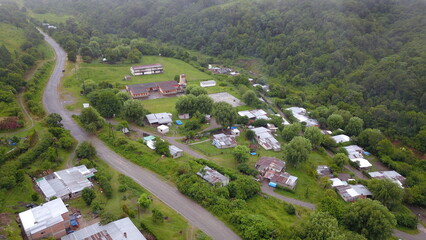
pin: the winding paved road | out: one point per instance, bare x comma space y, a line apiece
189, 209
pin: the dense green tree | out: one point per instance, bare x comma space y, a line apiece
144, 201
162, 147
204, 104
106, 102
387, 192
370, 218
250, 98
54, 120
186, 104
243, 188
354, 126
253, 226
241, 153
369, 138
157, 216
250, 134
319, 226
91, 119
123, 97
85, 150
291, 131
196, 91
134, 56
88, 195
134, 111
297, 151
314, 135
340, 159
335, 121
224, 114
5, 57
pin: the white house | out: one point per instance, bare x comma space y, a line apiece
209, 83
235, 132
301, 115
163, 129
86, 105
342, 138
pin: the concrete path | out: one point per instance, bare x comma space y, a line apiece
189, 209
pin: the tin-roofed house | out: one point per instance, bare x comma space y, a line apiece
66, 184
213, 177
175, 151
159, 118
265, 139
351, 193
284, 180
222, 141
50, 219
324, 171
391, 175
269, 163
122, 229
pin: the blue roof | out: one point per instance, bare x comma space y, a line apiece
233, 127
272, 184
147, 138
179, 122
253, 153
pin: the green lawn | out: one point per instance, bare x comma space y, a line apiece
11, 36
114, 73
161, 105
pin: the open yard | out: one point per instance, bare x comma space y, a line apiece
114, 73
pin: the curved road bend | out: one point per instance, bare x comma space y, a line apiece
189, 209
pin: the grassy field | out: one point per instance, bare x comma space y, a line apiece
11, 36
114, 73
161, 105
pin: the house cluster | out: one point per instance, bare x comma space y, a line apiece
52, 219
48, 26
219, 70
301, 115
213, 177
356, 154
175, 152
254, 114
265, 139
271, 169
66, 184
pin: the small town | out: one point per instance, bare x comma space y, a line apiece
116, 130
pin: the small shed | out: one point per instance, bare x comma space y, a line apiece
127, 78
183, 116
86, 105
272, 184
125, 130
209, 83
175, 151
178, 122
163, 129
235, 132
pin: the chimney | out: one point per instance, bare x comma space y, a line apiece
125, 235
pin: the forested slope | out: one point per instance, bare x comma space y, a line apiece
367, 56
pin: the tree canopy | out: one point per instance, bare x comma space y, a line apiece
297, 151
224, 114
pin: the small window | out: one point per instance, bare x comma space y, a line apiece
42, 232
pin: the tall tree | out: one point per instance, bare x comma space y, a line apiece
335, 121
370, 218
297, 151
354, 126
134, 111
250, 98
224, 114
241, 153
314, 135
387, 192
320, 226
291, 131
